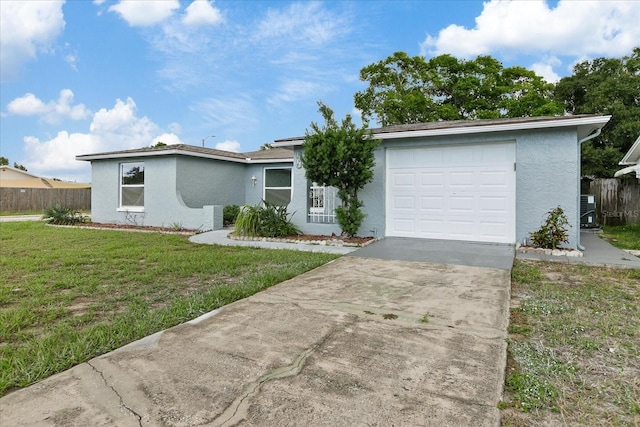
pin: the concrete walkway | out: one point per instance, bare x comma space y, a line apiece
597, 252
361, 341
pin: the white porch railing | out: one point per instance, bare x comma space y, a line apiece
322, 204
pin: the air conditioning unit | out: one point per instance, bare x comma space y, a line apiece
587, 211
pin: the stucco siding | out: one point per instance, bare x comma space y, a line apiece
203, 182
547, 171
163, 206
547, 176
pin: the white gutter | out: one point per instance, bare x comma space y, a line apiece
585, 139
463, 130
628, 169
245, 160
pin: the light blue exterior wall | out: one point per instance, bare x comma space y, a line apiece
192, 191
179, 190
547, 176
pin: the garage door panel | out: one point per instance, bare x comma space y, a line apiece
462, 192
432, 204
404, 203
461, 179
461, 204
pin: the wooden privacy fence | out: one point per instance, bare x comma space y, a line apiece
37, 199
617, 201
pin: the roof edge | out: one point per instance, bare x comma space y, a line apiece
592, 121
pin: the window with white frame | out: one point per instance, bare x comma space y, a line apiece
277, 186
322, 204
132, 185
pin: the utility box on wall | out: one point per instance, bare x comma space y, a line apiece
587, 211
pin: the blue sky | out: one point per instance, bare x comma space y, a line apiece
82, 77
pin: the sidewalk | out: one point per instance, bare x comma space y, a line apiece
597, 252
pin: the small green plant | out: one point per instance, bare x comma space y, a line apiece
553, 232
265, 220
425, 318
61, 215
248, 221
229, 214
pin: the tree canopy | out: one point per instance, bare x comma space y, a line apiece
341, 156
605, 86
404, 89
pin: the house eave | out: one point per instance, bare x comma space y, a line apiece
632, 157
585, 125
176, 152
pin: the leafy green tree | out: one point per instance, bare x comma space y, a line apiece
18, 166
159, 144
404, 89
605, 86
341, 156
4, 161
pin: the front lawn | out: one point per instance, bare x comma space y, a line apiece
67, 295
623, 236
574, 346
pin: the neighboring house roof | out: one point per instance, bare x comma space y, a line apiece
632, 158
586, 124
16, 178
262, 156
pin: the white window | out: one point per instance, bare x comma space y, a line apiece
277, 186
132, 186
322, 204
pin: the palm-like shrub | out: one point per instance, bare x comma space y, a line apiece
62, 215
264, 220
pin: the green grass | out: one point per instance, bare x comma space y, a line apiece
623, 236
67, 295
40, 212
574, 346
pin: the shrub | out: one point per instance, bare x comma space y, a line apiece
248, 221
229, 214
63, 216
553, 231
266, 220
275, 222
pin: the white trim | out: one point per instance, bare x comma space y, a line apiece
264, 182
131, 208
595, 122
633, 155
628, 169
176, 152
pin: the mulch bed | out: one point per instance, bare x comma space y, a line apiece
300, 238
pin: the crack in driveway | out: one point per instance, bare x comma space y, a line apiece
237, 411
124, 405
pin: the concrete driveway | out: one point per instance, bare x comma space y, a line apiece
359, 341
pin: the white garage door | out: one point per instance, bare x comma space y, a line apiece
454, 192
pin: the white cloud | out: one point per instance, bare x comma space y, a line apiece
545, 69
233, 146
145, 13
235, 112
118, 128
27, 28
51, 112
175, 127
573, 28
302, 22
202, 12
296, 90
167, 138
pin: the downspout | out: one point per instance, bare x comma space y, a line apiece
585, 139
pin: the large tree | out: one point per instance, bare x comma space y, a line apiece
341, 156
605, 86
404, 89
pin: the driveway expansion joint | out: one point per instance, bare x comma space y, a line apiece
124, 405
